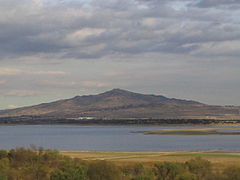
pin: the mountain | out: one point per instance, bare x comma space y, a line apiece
119, 103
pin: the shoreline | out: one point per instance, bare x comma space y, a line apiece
192, 131
113, 124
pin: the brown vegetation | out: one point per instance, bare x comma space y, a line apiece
39, 164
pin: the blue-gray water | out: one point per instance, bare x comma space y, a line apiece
110, 138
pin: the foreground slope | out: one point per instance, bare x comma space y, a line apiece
119, 103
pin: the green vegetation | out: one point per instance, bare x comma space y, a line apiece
39, 164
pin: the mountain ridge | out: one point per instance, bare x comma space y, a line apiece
119, 103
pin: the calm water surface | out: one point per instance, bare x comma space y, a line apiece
111, 138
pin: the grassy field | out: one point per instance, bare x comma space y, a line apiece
219, 160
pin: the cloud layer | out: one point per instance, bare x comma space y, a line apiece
74, 46
82, 30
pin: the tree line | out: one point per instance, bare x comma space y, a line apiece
102, 121
40, 164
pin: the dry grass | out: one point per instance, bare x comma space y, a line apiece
218, 159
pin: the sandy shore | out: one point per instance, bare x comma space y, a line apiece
194, 131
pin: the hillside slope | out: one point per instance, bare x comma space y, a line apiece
119, 103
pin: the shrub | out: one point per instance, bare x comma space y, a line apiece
143, 177
200, 167
168, 170
232, 173
187, 176
102, 170
70, 170
3, 177
3, 154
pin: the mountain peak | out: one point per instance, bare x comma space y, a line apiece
117, 103
117, 91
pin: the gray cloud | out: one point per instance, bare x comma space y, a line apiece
99, 29
215, 3
169, 45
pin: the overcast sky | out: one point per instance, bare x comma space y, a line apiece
55, 49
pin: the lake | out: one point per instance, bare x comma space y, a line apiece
111, 138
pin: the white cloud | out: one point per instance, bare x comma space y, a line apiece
11, 106
2, 82
96, 84
48, 73
21, 93
225, 48
82, 34
149, 22
80, 84
113, 73
10, 71
15, 71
